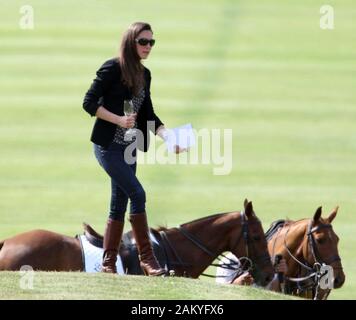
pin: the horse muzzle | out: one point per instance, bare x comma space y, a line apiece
339, 275
339, 281
267, 279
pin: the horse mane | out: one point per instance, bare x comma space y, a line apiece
213, 216
289, 222
159, 228
276, 225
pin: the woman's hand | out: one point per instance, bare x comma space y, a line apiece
127, 121
178, 149
282, 266
244, 280
164, 134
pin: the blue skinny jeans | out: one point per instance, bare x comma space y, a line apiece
124, 183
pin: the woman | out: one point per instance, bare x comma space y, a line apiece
119, 79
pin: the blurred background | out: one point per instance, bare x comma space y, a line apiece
262, 68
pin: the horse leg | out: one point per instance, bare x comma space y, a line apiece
42, 250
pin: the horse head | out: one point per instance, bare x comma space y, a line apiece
251, 243
321, 245
306, 245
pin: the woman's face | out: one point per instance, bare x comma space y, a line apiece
144, 50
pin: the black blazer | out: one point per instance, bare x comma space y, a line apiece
108, 90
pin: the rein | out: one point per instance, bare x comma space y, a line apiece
231, 264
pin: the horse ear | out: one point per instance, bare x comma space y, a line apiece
245, 203
249, 210
317, 214
332, 215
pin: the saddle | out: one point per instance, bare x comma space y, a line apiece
128, 250
274, 228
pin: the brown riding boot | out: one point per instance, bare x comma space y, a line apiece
148, 260
112, 239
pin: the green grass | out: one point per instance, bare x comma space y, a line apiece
65, 285
264, 69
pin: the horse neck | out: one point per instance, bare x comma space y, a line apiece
211, 233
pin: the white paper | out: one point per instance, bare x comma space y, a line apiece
182, 136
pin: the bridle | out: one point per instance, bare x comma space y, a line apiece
314, 274
245, 263
313, 247
262, 259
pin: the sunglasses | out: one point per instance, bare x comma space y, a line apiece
145, 42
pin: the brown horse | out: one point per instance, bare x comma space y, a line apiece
306, 245
189, 249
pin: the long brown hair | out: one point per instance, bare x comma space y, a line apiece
130, 62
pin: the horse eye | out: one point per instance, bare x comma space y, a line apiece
257, 238
320, 240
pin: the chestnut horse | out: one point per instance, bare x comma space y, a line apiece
189, 249
306, 245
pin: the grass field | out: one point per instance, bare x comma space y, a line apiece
263, 68
52, 285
